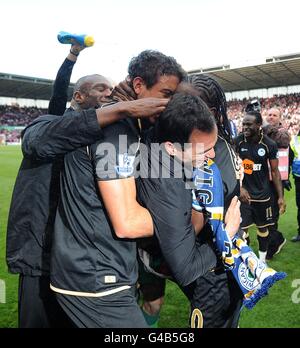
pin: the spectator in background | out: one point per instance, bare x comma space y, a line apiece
280, 135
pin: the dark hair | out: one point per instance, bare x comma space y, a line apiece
213, 95
253, 105
151, 65
183, 114
257, 115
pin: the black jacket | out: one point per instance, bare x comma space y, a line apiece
164, 191
36, 191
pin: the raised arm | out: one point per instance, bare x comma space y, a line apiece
51, 136
59, 98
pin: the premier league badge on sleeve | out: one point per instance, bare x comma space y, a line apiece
125, 166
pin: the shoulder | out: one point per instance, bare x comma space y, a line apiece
271, 147
44, 118
121, 133
239, 139
122, 127
268, 141
115, 155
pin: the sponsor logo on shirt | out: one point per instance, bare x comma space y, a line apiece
261, 152
250, 166
125, 166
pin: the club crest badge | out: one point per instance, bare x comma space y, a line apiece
125, 166
248, 281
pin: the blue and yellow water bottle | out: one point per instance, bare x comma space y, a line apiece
84, 40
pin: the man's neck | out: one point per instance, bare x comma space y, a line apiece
254, 139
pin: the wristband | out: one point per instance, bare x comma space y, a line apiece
74, 54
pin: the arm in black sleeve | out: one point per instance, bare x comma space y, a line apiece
59, 98
50, 136
170, 209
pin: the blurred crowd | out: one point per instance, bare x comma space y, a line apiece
15, 116
289, 104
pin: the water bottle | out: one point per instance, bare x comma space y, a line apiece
84, 40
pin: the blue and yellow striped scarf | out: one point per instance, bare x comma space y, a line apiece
253, 276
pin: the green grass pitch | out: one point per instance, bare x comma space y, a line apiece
280, 309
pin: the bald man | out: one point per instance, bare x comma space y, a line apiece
90, 92
280, 135
274, 117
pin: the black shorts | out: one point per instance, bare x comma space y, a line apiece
38, 307
258, 213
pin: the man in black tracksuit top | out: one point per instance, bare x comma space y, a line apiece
165, 189
33, 208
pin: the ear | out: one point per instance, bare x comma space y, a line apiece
78, 97
213, 110
138, 85
170, 148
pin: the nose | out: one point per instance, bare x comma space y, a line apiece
107, 92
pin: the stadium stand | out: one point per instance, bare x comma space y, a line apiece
13, 119
270, 72
280, 71
289, 106
18, 86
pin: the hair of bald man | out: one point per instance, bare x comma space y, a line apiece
84, 83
